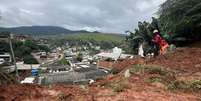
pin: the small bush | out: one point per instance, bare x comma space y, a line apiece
178, 85
63, 61
61, 97
156, 70
155, 79
149, 69
109, 59
194, 86
115, 71
120, 86
79, 57
137, 69
29, 59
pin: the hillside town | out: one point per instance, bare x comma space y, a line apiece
66, 64
100, 50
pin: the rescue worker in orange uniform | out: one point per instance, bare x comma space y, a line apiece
162, 43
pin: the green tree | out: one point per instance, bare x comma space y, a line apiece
80, 57
63, 61
182, 17
31, 44
29, 59
143, 35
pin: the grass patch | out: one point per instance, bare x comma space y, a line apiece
159, 79
155, 79
119, 86
139, 69
188, 86
62, 97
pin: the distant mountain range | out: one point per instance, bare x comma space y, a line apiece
40, 30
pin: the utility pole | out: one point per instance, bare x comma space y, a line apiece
13, 55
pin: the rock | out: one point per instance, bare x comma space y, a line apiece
172, 47
159, 85
127, 73
197, 65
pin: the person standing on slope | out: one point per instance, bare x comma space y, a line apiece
162, 43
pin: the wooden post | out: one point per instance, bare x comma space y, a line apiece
13, 56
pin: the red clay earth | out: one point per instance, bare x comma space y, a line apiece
120, 65
185, 61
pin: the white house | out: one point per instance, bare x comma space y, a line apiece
115, 54
5, 57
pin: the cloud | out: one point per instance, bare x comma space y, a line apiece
102, 15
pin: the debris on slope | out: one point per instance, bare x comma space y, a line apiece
150, 81
184, 59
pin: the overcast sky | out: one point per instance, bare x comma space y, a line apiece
102, 15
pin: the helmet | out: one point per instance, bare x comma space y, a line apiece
155, 31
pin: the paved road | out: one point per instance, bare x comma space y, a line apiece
48, 61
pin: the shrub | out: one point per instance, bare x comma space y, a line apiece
151, 70
156, 70
193, 86
109, 59
115, 71
63, 61
80, 57
120, 86
61, 97
29, 59
155, 79
136, 69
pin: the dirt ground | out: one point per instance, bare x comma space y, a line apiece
185, 63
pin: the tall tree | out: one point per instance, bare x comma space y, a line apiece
182, 17
143, 35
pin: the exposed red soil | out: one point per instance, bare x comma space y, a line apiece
185, 61
120, 65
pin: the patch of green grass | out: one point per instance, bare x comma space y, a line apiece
119, 86
167, 78
61, 97
139, 69
195, 85
156, 70
192, 86
63, 61
155, 79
